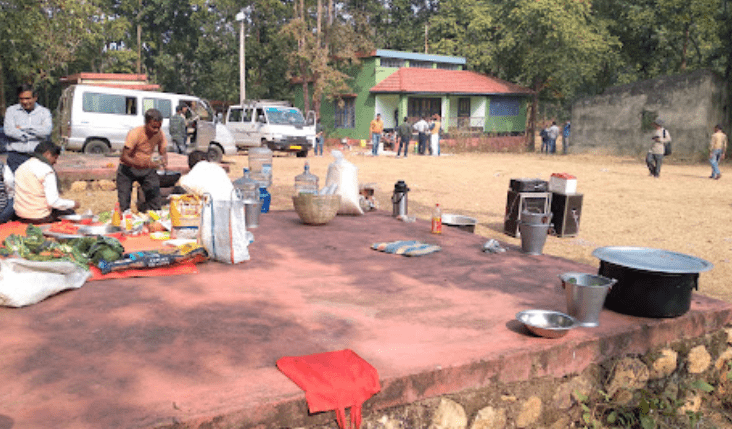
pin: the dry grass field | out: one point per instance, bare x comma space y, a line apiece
683, 211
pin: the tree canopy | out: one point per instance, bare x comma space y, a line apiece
560, 48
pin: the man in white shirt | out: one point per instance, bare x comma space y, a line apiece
553, 134
26, 125
37, 199
422, 127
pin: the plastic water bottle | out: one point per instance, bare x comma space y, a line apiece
306, 183
247, 187
436, 220
265, 197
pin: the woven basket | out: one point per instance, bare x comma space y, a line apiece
316, 209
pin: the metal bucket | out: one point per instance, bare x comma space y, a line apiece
251, 213
533, 237
531, 216
586, 296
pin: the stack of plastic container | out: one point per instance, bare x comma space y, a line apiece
248, 190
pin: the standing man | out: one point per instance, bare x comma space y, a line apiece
435, 128
565, 137
178, 128
422, 127
136, 162
717, 148
404, 134
376, 128
654, 159
553, 135
26, 124
36, 188
318, 138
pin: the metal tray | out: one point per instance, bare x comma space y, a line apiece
78, 217
656, 260
83, 231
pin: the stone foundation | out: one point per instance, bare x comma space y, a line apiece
676, 383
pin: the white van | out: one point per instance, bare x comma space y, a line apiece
275, 124
96, 119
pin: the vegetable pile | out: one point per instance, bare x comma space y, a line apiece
81, 251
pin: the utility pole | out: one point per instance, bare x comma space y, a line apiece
242, 59
139, 39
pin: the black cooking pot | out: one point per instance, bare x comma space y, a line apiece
647, 293
168, 178
650, 282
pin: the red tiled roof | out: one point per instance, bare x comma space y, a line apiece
418, 80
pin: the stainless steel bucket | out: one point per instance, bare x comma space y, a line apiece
251, 213
586, 296
533, 237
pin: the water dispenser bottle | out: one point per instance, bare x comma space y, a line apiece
260, 165
247, 188
306, 183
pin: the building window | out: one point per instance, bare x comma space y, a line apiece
392, 62
447, 66
422, 64
345, 113
505, 106
424, 107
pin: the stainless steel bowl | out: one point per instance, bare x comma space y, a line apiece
465, 223
547, 323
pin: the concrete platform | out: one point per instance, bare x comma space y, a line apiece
199, 350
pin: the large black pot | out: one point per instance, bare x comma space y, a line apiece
650, 282
647, 293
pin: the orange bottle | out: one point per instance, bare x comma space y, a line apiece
437, 220
116, 216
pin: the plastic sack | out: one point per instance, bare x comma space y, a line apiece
24, 282
344, 175
223, 229
208, 178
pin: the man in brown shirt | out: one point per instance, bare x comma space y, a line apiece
136, 163
717, 148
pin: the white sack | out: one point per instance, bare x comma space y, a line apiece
344, 175
208, 178
223, 230
24, 282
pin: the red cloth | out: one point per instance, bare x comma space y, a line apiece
333, 381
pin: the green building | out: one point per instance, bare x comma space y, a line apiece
398, 84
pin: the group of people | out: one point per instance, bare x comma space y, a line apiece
29, 191
549, 135
428, 135
29, 186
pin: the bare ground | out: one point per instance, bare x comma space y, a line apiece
683, 211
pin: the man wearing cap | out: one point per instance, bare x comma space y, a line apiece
717, 148
654, 159
26, 124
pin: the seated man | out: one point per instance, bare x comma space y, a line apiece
36, 188
206, 178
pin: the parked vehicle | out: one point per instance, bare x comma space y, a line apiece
275, 124
96, 119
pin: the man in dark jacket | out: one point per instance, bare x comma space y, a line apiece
404, 133
178, 128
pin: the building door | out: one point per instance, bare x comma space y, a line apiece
424, 107
463, 112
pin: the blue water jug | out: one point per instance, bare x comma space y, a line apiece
265, 197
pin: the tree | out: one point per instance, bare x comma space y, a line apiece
316, 59
550, 46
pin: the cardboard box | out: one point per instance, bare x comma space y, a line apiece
563, 183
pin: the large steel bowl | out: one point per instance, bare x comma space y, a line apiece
466, 223
547, 323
